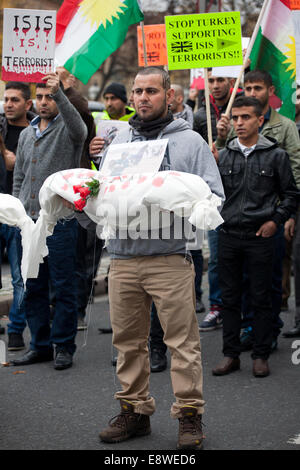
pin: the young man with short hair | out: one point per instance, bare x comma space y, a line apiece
258, 84
220, 89
261, 194
116, 108
17, 116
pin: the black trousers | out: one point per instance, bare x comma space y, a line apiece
258, 253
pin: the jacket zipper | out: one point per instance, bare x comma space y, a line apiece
244, 189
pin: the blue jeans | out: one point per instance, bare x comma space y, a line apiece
213, 270
58, 268
10, 237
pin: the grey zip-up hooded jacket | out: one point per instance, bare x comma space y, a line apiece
258, 188
188, 152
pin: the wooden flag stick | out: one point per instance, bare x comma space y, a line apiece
247, 55
144, 44
208, 113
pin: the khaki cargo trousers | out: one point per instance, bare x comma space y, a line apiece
169, 281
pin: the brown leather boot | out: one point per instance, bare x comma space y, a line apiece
260, 368
190, 434
126, 425
227, 365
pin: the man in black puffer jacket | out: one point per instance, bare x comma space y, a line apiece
220, 89
261, 194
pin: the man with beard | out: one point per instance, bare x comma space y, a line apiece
158, 270
115, 99
220, 89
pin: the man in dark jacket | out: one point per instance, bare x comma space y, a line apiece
258, 84
220, 91
261, 194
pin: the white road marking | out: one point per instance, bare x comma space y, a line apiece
294, 440
2, 352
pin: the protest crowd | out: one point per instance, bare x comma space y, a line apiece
252, 165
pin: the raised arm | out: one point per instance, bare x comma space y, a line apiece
75, 126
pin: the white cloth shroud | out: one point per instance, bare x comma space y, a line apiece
122, 201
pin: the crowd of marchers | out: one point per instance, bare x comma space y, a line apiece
154, 285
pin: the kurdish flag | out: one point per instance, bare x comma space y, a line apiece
88, 31
274, 50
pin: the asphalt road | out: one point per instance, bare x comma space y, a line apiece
45, 409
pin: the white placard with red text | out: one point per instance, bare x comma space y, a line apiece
28, 44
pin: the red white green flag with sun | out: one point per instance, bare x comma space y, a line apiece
274, 50
89, 31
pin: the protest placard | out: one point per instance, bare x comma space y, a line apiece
134, 157
295, 4
204, 40
108, 129
28, 44
232, 70
156, 46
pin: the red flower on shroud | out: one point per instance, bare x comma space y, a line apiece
80, 204
76, 188
84, 192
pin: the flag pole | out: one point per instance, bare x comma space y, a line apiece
247, 55
208, 113
144, 44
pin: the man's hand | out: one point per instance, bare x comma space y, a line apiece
96, 145
289, 229
268, 229
215, 152
67, 79
223, 127
67, 204
248, 62
52, 82
10, 160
